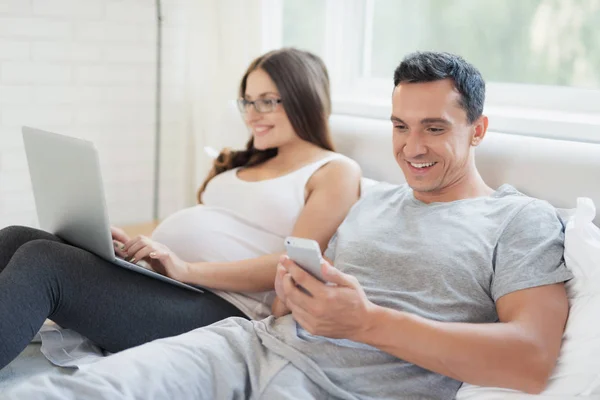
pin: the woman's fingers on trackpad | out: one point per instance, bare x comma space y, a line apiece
118, 249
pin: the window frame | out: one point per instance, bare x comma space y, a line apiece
525, 109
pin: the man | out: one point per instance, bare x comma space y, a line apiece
436, 282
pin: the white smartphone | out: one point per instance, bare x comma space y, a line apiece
307, 254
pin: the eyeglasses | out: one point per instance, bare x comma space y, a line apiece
260, 105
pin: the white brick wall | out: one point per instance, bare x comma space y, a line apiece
40, 28
15, 7
87, 68
77, 9
25, 72
14, 50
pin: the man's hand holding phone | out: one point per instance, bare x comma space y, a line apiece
338, 308
306, 253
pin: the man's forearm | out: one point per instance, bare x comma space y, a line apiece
252, 275
497, 354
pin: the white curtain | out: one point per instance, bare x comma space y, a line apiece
224, 36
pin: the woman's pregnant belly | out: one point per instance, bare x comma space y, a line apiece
214, 234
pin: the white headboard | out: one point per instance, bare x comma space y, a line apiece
554, 170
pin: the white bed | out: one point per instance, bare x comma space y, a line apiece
557, 171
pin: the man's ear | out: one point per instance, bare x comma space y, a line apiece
479, 130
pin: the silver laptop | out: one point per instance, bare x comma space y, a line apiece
69, 195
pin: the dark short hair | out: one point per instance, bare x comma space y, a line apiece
429, 66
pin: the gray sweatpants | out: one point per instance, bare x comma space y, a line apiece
223, 361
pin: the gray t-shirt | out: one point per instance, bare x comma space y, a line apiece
442, 261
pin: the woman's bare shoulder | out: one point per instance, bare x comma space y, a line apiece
341, 168
342, 163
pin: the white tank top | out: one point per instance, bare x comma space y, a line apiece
240, 220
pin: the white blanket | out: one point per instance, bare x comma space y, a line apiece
67, 348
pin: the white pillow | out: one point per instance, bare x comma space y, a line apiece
366, 184
577, 372
582, 250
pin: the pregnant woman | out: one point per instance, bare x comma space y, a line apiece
288, 181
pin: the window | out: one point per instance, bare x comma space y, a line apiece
541, 58
304, 25
546, 42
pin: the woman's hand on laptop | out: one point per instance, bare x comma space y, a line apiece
119, 239
159, 256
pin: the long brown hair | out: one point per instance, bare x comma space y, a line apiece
303, 83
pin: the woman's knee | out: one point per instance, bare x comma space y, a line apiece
14, 232
18, 235
65, 263
13, 237
40, 254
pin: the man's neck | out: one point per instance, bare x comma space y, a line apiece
467, 187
